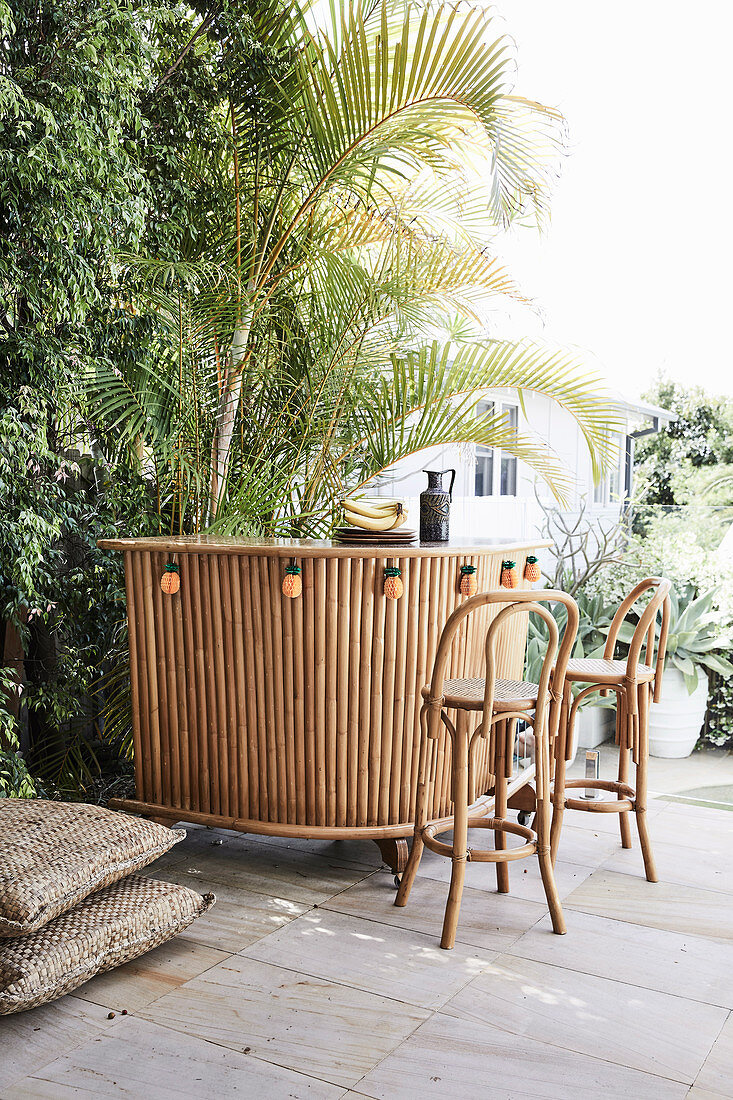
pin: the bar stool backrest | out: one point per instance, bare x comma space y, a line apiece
646, 629
522, 601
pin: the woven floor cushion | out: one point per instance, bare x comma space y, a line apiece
54, 854
109, 928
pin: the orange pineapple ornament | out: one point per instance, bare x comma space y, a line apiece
532, 569
469, 585
509, 577
170, 582
393, 586
292, 581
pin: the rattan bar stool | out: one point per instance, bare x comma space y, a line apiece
635, 685
501, 703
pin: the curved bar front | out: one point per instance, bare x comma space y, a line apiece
297, 717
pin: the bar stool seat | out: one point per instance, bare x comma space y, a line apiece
599, 671
468, 694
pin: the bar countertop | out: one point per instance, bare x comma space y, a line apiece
321, 548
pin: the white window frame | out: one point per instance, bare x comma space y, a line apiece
489, 405
605, 493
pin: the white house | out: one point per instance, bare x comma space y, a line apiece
494, 493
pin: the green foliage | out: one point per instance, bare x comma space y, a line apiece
93, 133
233, 245
695, 641
594, 619
719, 723
59, 591
305, 326
678, 463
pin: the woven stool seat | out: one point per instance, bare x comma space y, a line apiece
468, 694
597, 669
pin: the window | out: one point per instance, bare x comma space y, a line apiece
608, 489
496, 470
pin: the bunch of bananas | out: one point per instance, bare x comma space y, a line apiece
375, 514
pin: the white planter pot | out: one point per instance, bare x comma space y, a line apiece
676, 721
594, 725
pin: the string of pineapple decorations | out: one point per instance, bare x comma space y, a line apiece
292, 585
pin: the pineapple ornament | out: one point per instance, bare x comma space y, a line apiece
531, 569
468, 585
292, 581
170, 582
393, 586
509, 574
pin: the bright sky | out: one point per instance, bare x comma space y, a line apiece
636, 266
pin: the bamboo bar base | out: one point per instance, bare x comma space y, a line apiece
297, 717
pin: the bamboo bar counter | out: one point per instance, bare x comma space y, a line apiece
297, 717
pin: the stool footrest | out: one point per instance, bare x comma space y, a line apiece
483, 855
619, 806
625, 800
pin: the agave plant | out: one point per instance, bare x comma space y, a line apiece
330, 314
695, 640
593, 622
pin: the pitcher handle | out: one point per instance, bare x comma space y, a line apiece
453, 478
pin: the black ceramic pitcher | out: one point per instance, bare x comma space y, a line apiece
435, 507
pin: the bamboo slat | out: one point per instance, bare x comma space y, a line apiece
240, 687
229, 748
210, 661
199, 665
265, 760
376, 696
411, 578
288, 692
365, 691
149, 666
266, 700
396, 701
339, 584
270, 566
307, 642
134, 682
175, 720
299, 709
257, 787
321, 705
355, 649
156, 611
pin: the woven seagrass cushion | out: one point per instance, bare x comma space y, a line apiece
53, 854
109, 928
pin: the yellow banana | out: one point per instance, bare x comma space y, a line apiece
370, 523
371, 511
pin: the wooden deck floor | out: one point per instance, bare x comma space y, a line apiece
304, 980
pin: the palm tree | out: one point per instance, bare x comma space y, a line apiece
334, 320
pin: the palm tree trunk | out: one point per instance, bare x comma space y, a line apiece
227, 412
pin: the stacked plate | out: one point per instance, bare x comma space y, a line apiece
351, 535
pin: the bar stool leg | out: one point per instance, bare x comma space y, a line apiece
501, 738
641, 785
460, 840
564, 733
625, 739
542, 825
421, 810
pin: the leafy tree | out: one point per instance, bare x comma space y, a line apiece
92, 131
310, 317
687, 457
227, 239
